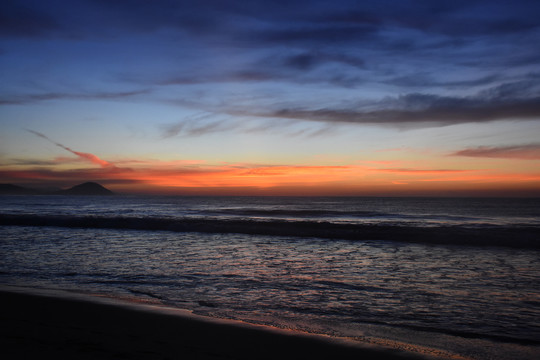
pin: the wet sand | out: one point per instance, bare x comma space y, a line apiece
71, 326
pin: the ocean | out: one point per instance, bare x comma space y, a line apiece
447, 276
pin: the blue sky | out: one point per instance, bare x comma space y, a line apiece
379, 86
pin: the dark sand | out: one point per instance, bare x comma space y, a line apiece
76, 327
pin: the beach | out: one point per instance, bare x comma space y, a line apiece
60, 325
169, 277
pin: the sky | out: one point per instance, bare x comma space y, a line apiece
367, 98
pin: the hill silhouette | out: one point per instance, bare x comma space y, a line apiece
10, 189
88, 188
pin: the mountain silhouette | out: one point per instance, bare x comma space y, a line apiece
10, 189
88, 188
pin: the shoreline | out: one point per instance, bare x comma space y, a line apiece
64, 325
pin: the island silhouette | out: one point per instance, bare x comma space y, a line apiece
87, 188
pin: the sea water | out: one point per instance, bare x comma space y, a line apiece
466, 278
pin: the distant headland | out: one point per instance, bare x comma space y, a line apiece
87, 188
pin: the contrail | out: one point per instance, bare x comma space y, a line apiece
85, 156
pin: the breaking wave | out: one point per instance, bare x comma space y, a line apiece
518, 236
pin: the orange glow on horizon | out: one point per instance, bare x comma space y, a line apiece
191, 176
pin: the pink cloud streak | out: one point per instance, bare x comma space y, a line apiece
522, 152
85, 156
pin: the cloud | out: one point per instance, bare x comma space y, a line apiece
298, 67
420, 171
209, 123
282, 22
524, 89
193, 16
22, 99
293, 30
303, 61
192, 129
184, 174
423, 80
312, 35
31, 162
432, 115
196, 125
268, 47
290, 70
521, 152
451, 18
519, 100
507, 101
190, 177
309, 60
180, 173
85, 156
320, 19
17, 20
232, 76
